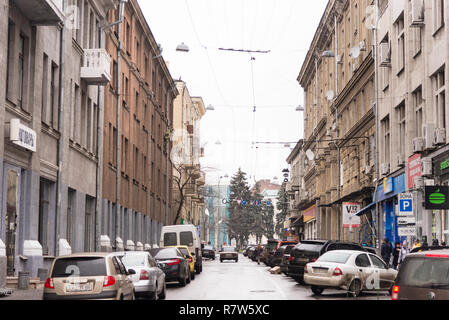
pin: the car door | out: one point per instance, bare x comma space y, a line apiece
364, 268
183, 265
125, 282
155, 272
386, 278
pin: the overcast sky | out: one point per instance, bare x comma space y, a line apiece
232, 82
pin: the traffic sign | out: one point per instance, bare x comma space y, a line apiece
405, 204
408, 231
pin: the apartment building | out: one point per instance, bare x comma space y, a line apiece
339, 137
53, 70
188, 202
413, 113
137, 169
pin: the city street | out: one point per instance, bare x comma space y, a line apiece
245, 280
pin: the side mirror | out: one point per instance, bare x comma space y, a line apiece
131, 271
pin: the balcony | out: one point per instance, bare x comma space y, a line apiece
41, 12
96, 67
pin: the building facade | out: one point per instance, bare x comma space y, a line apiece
339, 137
413, 113
188, 179
137, 169
52, 106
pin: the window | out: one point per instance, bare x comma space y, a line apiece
438, 15
400, 115
21, 71
114, 147
10, 59
45, 208
417, 41
86, 267
439, 98
70, 210
362, 261
170, 239
399, 26
418, 104
377, 263
89, 229
44, 89
385, 124
76, 121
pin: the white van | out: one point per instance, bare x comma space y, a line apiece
183, 235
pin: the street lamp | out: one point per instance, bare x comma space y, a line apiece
300, 108
182, 47
210, 108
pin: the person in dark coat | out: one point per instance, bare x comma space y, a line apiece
386, 251
259, 251
396, 251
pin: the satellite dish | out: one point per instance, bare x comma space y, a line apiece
330, 95
310, 155
355, 52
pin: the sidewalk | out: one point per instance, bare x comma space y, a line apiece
30, 294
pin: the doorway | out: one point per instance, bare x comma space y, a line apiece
11, 208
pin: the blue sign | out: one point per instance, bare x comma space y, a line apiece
256, 202
244, 202
268, 203
406, 205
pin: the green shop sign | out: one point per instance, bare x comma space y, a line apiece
444, 165
437, 198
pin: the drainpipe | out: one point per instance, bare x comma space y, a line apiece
336, 127
99, 160
376, 94
61, 134
118, 105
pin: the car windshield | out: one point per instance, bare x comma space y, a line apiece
228, 249
425, 272
170, 239
83, 267
186, 238
169, 253
133, 260
334, 257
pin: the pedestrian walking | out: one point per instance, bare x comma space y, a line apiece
416, 244
386, 251
435, 243
259, 251
396, 251
403, 253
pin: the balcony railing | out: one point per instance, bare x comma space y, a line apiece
96, 67
41, 12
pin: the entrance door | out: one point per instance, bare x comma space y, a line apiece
12, 191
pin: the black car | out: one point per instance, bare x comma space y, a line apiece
310, 250
208, 252
284, 260
277, 257
173, 263
251, 252
245, 252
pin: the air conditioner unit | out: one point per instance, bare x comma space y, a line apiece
440, 136
426, 167
418, 145
428, 131
362, 46
385, 54
400, 162
385, 169
339, 58
418, 182
417, 12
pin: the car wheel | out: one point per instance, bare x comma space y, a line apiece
189, 276
192, 276
162, 295
236, 260
183, 282
197, 270
317, 290
355, 288
221, 261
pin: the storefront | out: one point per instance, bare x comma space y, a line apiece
310, 231
440, 218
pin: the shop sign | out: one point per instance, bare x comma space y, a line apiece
414, 169
388, 185
437, 198
406, 232
350, 219
22, 136
309, 214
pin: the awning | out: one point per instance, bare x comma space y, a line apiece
366, 209
299, 221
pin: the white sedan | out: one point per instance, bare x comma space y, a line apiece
353, 271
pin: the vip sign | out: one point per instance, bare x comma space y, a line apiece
22, 136
350, 220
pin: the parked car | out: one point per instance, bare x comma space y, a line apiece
277, 257
245, 252
184, 235
88, 276
229, 253
423, 276
252, 253
310, 250
186, 252
271, 247
284, 260
149, 279
173, 263
351, 270
208, 252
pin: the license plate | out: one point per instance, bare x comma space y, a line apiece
303, 259
229, 255
79, 287
318, 270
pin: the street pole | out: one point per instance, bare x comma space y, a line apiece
376, 95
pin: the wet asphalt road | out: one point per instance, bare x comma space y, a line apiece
246, 280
